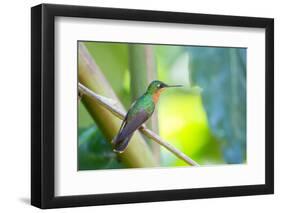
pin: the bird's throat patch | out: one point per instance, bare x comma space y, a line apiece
156, 95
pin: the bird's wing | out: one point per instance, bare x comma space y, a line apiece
132, 124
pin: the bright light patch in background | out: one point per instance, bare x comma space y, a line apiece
183, 123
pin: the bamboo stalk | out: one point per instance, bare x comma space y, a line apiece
142, 72
151, 71
112, 106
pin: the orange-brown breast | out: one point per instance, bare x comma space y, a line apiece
156, 95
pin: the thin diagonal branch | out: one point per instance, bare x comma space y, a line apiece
111, 106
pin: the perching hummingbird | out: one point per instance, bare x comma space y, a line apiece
138, 113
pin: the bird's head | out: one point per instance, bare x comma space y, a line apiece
156, 87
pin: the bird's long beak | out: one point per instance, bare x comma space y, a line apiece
174, 86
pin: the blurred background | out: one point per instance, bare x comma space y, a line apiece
206, 119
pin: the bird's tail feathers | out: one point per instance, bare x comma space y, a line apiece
119, 146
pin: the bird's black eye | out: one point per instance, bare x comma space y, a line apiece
158, 85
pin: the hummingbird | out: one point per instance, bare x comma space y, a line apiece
140, 111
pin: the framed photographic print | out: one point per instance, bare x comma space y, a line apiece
140, 106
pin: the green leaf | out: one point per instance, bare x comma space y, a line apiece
221, 73
94, 152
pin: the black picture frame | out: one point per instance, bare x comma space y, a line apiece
43, 102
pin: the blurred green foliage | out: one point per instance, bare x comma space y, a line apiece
93, 150
221, 72
112, 59
210, 126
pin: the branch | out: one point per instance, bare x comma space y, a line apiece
110, 105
